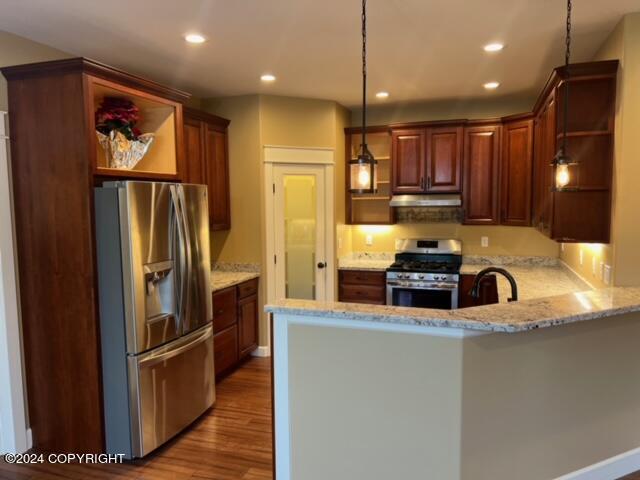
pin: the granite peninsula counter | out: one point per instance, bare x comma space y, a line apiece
547, 388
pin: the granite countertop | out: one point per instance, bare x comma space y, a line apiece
512, 317
533, 282
225, 279
536, 276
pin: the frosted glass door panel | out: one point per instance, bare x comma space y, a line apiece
300, 206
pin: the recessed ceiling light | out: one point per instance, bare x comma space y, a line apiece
382, 94
491, 85
267, 77
493, 47
194, 38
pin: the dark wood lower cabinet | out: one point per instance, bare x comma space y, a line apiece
488, 291
357, 286
235, 323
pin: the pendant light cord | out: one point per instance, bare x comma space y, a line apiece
567, 58
364, 74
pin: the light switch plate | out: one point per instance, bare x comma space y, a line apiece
594, 264
398, 244
581, 257
368, 239
607, 274
339, 243
601, 271
484, 241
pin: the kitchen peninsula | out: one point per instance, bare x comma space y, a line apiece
540, 388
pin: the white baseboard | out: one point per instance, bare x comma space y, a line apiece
609, 469
264, 351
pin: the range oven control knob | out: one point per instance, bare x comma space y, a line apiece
421, 276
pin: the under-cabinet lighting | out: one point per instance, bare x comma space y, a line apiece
267, 77
382, 95
491, 85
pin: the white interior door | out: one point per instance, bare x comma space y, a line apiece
302, 267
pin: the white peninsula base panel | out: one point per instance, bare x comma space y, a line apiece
356, 400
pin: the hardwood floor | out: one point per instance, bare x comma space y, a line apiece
232, 442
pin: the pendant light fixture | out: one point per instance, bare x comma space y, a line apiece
562, 161
362, 170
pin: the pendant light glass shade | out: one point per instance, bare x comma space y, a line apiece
363, 173
562, 175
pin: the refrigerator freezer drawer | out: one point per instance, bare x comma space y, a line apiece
175, 385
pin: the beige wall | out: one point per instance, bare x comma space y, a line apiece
502, 240
15, 50
623, 253
526, 406
449, 109
256, 121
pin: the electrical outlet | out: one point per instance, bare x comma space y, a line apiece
607, 274
398, 244
562, 247
484, 241
368, 240
339, 243
594, 263
581, 257
601, 271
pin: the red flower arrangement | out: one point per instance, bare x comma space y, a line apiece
118, 114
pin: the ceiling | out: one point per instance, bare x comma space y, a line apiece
418, 49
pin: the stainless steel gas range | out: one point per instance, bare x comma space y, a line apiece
425, 274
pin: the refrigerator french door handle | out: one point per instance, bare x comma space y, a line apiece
182, 261
187, 243
156, 358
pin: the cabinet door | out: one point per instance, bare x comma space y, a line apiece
516, 167
488, 291
408, 161
194, 151
545, 150
248, 325
444, 159
217, 170
481, 175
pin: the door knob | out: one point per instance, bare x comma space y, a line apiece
322, 264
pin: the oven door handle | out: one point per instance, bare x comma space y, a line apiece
435, 286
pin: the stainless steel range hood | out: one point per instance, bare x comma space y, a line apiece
442, 200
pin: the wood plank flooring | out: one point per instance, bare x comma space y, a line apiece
232, 442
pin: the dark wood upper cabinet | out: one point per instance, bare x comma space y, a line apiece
55, 163
408, 161
444, 159
427, 160
481, 174
194, 171
207, 162
516, 169
580, 212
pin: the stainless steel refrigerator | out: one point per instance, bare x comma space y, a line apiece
155, 311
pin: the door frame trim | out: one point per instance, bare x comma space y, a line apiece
324, 157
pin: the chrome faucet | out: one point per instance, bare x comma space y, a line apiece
475, 290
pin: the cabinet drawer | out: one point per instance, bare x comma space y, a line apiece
363, 294
225, 349
357, 277
248, 288
224, 309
